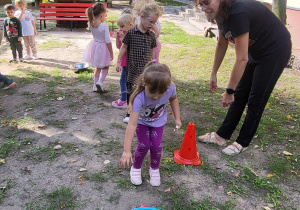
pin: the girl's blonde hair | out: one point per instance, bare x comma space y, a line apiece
20, 2
125, 19
95, 11
150, 8
137, 5
156, 76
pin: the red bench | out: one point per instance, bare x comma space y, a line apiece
64, 12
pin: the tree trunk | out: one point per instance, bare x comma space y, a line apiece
279, 9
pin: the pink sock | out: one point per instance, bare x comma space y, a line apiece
96, 79
103, 74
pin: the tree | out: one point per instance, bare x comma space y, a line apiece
279, 9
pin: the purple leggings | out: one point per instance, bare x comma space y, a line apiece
148, 138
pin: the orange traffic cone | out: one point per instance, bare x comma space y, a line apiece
188, 155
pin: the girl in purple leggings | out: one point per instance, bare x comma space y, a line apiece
147, 119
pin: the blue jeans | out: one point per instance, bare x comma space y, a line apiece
3, 79
123, 84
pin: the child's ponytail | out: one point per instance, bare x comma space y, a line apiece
95, 11
89, 14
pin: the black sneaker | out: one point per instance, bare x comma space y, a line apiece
12, 60
21, 60
8, 85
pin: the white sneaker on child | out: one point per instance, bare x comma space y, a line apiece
126, 118
27, 57
136, 176
35, 57
95, 88
100, 86
154, 177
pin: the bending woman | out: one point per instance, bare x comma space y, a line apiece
263, 48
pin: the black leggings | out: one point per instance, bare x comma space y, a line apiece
254, 89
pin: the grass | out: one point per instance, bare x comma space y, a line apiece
8, 146
38, 153
61, 198
4, 190
50, 44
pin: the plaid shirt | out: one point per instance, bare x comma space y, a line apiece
139, 47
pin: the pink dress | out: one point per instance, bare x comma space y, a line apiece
96, 52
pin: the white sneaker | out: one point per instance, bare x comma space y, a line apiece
95, 88
154, 177
100, 86
234, 149
35, 57
136, 176
27, 57
126, 119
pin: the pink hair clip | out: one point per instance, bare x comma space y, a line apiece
154, 61
93, 6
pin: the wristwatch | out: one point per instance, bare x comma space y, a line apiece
230, 91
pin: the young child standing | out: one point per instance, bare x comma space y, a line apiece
13, 32
125, 22
155, 27
28, 29
147, 119
99, 51
139, 43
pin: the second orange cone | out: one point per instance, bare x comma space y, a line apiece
187, 154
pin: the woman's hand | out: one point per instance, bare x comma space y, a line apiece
227, 99
126, 159
213, 87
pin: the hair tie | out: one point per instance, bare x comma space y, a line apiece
154, 61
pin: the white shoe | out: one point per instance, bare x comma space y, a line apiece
126, 119
95, 88
27, 57
100, 87
136, 176
154, 177
234, 149
35, 57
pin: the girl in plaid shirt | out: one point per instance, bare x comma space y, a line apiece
139, 43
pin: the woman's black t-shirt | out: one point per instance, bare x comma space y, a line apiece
266, 32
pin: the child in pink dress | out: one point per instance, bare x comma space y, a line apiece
99, 51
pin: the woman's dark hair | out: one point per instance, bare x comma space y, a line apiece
223, 11
95, 10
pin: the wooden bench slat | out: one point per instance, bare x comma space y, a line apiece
53, 18
86, 5
62, 14
62, 9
